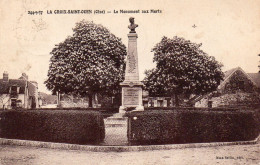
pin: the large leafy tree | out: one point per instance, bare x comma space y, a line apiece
88, 62
182, 68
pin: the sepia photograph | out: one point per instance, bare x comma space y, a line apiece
129, 82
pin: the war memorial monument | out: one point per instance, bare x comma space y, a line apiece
131, 86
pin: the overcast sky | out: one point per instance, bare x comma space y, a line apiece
228, 30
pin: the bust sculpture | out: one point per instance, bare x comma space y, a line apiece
132, 25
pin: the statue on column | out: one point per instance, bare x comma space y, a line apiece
132, 26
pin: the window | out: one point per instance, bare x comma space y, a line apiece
13, 92
13, 89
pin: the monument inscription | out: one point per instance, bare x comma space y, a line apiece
131, 96
132, 67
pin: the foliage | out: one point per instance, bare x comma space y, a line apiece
237, 99
191, 126
90, 61
66, 126
239, 82
182, 68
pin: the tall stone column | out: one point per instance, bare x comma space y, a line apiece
132, 87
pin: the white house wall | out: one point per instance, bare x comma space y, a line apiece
4, 100
21, 97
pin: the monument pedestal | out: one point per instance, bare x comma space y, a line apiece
131, 96
132, 87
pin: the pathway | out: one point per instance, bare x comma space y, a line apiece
116, 130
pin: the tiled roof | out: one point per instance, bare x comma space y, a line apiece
5, 86
256, 78
196, 98
229, 72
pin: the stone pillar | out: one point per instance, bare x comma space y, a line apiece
164, 103
132, 72
155, 103
131, 87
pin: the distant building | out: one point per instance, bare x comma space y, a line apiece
99, 100
47, 99
155, 101
237, 88
69, 101
18, 93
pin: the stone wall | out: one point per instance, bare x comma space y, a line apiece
98, 101
234, 99
68, 101
157, 101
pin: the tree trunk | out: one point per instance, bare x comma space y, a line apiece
172, 101
176, 100
58, 99
90, 105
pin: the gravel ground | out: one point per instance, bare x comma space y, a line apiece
237, 154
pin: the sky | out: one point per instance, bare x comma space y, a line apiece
229, 30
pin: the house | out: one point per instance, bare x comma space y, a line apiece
237, 88
18, 93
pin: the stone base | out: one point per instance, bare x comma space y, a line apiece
122, 110
138, 108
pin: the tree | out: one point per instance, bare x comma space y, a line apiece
259, 64
90, 61
182, 68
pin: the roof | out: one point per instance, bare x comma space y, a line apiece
229, 74
5, 86
196, 98
256, 78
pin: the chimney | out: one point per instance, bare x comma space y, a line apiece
24, 76
5, 76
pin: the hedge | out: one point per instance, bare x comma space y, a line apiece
112, 110
193, 126
193, 109
67, 126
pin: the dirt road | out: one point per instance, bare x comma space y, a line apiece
238, 154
